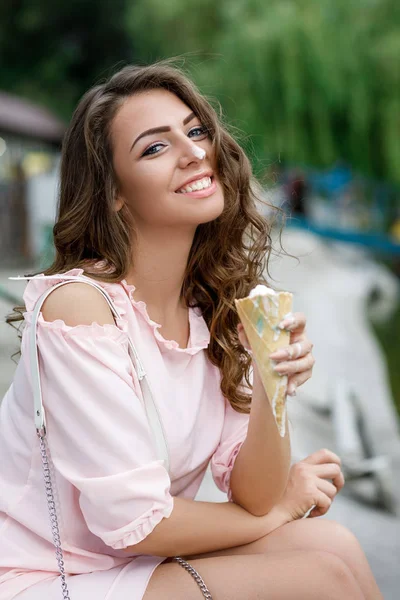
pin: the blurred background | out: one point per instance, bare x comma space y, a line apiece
311, 89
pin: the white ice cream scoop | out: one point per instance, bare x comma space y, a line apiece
261, 290
199, 153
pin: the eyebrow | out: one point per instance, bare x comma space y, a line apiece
163, 129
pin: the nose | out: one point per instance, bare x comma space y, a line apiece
191, 152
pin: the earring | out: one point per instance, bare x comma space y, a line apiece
199, 153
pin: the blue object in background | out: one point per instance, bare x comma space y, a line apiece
375, 242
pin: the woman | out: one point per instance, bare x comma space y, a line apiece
173, 259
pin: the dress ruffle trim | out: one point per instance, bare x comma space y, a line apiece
117, 333
140, 531
228, 472
122, 295
199, 334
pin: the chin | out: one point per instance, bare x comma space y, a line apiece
208, 218
211, 212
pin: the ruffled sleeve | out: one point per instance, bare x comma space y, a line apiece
98, 433
233, 435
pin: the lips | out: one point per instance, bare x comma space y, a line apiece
195, 178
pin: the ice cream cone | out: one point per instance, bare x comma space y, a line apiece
260, 315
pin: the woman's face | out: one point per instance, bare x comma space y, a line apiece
153, 167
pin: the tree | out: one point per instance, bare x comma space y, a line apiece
309, 80
53, 53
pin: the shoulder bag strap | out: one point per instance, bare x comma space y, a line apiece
40, 423
148, 400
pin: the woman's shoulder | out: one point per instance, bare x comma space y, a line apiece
40, 283
77, 304
76, 307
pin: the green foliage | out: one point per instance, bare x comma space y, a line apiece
53, 52
308, 81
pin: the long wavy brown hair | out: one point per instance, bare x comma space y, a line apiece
228, 256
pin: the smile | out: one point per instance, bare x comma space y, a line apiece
195, 186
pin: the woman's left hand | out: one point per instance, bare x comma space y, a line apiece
312, 485
296, 360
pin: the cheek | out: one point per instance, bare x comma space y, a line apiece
144, 189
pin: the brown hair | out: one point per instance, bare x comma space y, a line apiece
228, 255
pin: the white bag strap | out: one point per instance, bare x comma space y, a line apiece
149, 404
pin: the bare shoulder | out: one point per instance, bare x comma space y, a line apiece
77, 304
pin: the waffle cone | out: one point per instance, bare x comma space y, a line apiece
260, 317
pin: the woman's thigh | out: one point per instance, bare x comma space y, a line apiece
279, 576
305, 534
313, 535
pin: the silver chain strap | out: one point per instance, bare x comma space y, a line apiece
55, 530
46, 464
196, 576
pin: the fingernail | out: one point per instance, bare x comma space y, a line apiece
287, 322
281, 368
292, 391
278, 355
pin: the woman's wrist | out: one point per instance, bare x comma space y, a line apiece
276, 517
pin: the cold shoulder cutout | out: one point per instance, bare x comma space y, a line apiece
77, 304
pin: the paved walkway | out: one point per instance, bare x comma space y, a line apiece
378, 532
9, 343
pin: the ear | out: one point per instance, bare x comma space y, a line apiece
118, 204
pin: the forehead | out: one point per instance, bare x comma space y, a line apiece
152, 108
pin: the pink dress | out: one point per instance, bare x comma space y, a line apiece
112, 490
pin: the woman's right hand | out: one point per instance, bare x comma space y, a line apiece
312, 484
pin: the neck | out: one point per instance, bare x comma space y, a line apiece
158, 268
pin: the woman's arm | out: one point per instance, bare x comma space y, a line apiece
259, 475
198, 527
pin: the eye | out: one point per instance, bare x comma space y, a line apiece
200, 131
149, 150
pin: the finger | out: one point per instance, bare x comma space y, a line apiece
327, 488
296, 380
294, 351
322, 505
293, 322
299, 379
331, 471
327, 471
322, 456
298, 336
339, 481
295, 366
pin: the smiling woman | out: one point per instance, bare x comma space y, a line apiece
158, 212
131, 147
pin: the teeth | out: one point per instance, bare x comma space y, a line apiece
201, 184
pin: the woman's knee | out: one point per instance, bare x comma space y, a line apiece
333, 537
321, 534
338, 578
